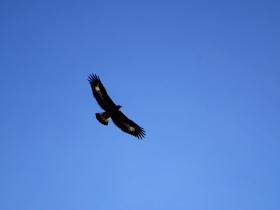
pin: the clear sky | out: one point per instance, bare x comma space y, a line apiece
201, 77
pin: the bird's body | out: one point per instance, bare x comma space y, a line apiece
112, 110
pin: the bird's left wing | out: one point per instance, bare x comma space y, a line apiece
100, 93
128, 125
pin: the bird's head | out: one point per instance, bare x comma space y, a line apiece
119, 107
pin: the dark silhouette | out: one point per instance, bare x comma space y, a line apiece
112, 110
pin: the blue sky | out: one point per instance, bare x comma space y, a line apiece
201, 77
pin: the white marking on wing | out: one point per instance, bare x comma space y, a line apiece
130, 128
97, 89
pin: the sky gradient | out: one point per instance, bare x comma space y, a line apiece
201, 77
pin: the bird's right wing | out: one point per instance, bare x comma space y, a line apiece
128, 125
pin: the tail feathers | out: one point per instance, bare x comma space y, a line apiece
103, 117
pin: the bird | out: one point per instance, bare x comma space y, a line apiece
111, 110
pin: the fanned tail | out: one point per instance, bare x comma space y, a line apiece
103, 117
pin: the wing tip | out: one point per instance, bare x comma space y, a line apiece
141, 134
93, 78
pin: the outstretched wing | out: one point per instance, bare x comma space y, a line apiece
128, 125
100, 93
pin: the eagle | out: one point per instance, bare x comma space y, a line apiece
112, 110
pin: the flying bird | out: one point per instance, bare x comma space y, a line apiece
112, 110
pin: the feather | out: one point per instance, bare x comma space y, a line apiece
103, 118
100, 93
128, 125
